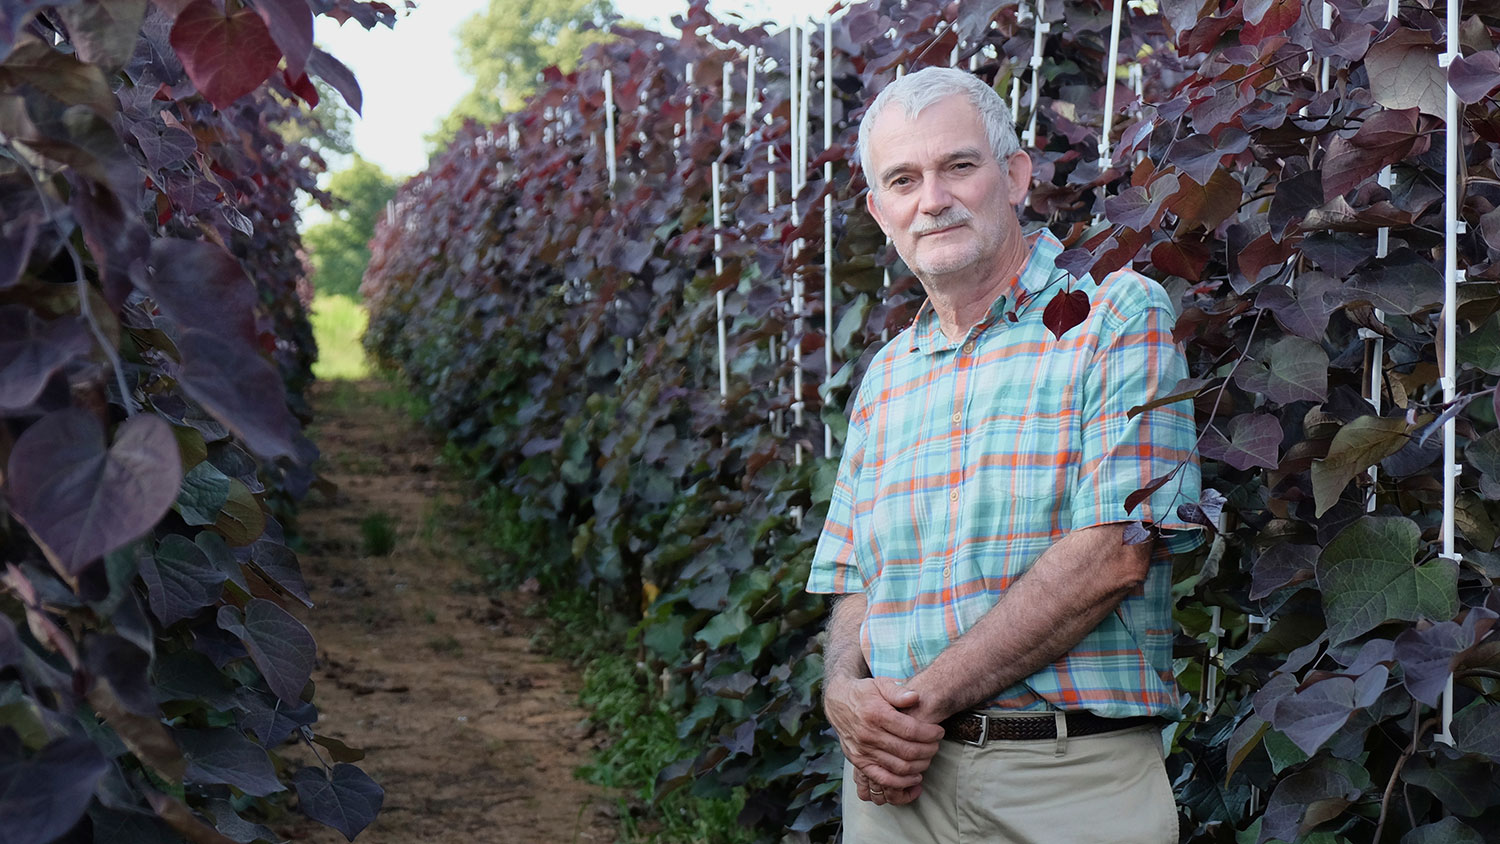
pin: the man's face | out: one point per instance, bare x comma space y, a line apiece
941, 196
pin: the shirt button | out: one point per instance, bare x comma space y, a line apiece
969, 348
953, 496
947, 572
957, 417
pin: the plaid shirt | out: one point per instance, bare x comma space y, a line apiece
966, 460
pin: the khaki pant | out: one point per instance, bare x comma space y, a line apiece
1109, 788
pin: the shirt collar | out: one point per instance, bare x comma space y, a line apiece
1022, 289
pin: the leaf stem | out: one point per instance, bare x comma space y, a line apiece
1411, 750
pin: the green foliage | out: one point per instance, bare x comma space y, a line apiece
339, 248
507, 46
338, 324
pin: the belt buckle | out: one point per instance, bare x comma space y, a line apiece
984, 731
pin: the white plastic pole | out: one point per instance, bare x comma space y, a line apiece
687, 131
1327, 24
718, 251
1377, 357
827, 219
1450, 320
798, 168
609, 123
1038, 40
750, 98
1110, 71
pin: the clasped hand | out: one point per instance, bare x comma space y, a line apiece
888, 745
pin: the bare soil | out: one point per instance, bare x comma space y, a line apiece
473, 733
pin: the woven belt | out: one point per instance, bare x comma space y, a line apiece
976, 728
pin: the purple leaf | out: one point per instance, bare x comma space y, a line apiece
741, 739
348, 800
1310, 716
31, 350
1282, 565
332, 71
180, 579
1293, 369
44, 796
1199, 156
1429, 656
82, 500
1066, 310
223, 755
291, 25
1254, 440
1404, 283
279, 564
1473, 77
278, 644
201, 286
227, 55
240, 389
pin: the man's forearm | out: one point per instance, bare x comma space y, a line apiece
842, 656
1065, 594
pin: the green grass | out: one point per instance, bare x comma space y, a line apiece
338, 325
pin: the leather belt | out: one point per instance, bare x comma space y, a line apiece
976, 728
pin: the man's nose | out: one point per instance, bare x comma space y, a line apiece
935, 197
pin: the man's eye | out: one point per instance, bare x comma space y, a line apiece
963, 165
900, 181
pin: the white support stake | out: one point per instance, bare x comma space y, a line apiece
750, 98
1449, 369
1041, 28
719, 271
687, 130
827, 220
1110, 71
609, 124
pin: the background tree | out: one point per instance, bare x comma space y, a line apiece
325, 129
507, 45
339, 247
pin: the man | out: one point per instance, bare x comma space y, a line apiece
999, 664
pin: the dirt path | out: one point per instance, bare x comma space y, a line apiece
473, 734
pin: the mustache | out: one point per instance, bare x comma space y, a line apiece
951, 217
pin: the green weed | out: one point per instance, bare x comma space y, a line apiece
646, 741
378, 532
446, 645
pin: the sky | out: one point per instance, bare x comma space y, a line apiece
410, 78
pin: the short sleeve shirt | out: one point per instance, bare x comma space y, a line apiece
966, 460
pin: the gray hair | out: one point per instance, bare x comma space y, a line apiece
916, 91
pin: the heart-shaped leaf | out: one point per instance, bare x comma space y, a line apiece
222, 755
226, 55
279, 645
82, 500
1368, 577
41, 798
1067, 309
347, 799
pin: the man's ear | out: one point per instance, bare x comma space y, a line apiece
873, 206
1019, 170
